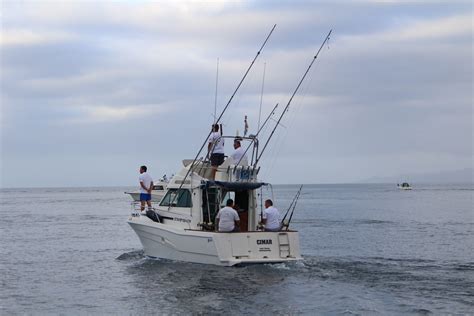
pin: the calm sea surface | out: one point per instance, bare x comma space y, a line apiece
368, 249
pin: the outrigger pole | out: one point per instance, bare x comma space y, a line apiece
227, 105
291, 99
261, 95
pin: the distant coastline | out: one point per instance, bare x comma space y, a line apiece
458, 176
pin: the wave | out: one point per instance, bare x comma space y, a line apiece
132, 255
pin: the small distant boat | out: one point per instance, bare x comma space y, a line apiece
404, 186
157, 192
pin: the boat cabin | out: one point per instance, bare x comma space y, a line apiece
192, 199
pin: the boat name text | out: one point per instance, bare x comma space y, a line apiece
177, 219
264, 241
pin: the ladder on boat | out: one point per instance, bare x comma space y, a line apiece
284, 245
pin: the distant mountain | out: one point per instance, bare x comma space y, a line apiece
454, 176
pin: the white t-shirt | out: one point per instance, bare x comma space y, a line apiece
227, 217
237, 154
219, 143
146, 179
273, 218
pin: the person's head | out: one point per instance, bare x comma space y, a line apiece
215, 127
143, 169
236, 143
268, 203
230, 202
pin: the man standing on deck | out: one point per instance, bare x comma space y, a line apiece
146, 184
271, 217
215, 148
239, 155
227, 219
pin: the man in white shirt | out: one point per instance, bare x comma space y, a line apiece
215, 148
239, 156
227, 219
271, 217
146, 184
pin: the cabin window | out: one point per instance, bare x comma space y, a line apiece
158, 187
175, 199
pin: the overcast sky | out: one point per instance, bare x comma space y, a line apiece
90, 90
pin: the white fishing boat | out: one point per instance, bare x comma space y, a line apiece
157, 192
182, 226
404, 186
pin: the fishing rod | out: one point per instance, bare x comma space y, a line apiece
261, 127
225, 108
294, 207
292, 212
291, 204
292, 96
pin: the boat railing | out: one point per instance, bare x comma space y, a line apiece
228, 171
241, 173
135, 207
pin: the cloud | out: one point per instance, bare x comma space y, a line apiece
426, 29
28, 37
93, 76
104, 113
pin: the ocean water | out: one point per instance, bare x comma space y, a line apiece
368, 249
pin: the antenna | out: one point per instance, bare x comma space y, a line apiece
215, 98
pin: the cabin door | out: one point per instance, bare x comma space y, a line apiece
242, 201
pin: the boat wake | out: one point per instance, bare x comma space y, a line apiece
132, 255
402, 278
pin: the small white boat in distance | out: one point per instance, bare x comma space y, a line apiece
404, 186
157, 192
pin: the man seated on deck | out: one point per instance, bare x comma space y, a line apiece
271, 217
227, 219
215, 148
239, 155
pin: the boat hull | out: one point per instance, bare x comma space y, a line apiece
224, 249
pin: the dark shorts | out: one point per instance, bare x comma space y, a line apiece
217, 159
145, 196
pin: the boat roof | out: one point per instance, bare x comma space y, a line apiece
233, 186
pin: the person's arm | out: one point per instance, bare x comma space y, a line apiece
217, 220
236, 219
151, 187
264, 218
143, 186
209, 145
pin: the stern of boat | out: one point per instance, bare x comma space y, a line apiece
257, 247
